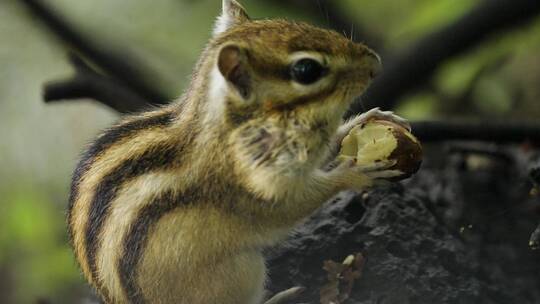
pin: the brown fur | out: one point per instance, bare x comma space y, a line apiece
175, 205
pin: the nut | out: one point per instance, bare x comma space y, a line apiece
381, 140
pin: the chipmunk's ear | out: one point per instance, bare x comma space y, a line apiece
233, 65
233, 14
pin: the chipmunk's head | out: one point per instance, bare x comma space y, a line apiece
286, 72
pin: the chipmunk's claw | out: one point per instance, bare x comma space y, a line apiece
286, 295
376, 113
385, 174
380, 170
376, 166
360, 177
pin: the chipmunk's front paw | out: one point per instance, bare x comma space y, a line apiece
377, 114
351, 175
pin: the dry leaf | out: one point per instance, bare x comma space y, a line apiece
341, 278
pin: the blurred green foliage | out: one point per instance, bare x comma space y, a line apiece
401, 24
34, 248
40, 143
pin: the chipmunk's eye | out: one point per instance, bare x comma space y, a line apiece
306, 71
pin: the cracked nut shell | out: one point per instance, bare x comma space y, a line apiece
380, 140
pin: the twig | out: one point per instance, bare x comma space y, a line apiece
87, 83
474, 148
414, 67
128, 72
497, 132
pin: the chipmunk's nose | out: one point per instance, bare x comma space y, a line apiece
373, 63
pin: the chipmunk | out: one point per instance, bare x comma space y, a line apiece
176, 204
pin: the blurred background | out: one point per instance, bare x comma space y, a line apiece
494, 77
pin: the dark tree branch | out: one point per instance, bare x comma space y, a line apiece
497, 132
126, 91
338, 20
535, 173
128, 72
87, 83
415, 67
492, 151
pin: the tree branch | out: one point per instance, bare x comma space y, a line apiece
415, 66
497, 132
87, 83
492, 151
336, 19
534, 173
127, 91
128, 72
